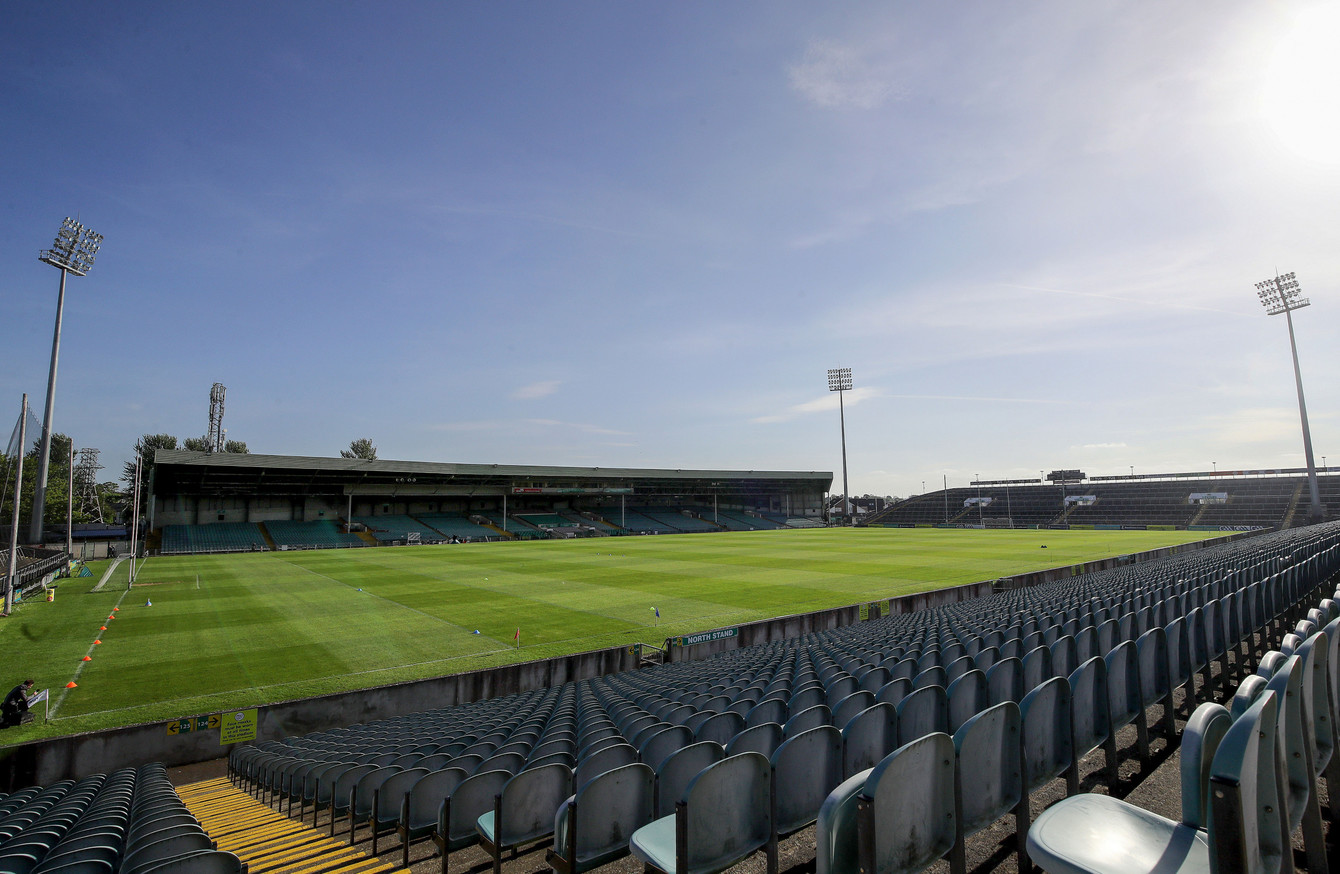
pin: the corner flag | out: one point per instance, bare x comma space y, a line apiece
517, 638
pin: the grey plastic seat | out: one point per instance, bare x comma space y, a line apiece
605, 759
850, 706
1294, 733
925, 711
679, 768
988, 782
1125, 699
835, 831
150, 854
654, 749
1046, 742
1037, 668
386, 803
459, 812
810, 717
723, 817
523, 810
365, 794
763, 738
1005, 681
720, 728
905, 815
868, 737
1090, 718
894, 691
1098, 834
420, 803
593, 827
968, 696
1156, 687
768, 710
203, 862
804, 770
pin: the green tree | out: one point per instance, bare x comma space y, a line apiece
58, 480
237, 447
360, 448
195, 444
145, 448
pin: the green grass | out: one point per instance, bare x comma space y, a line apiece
260, 628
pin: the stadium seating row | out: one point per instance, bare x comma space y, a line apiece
130, 822
1055, 670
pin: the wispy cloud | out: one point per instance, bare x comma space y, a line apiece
527, 425
837, 76
820, 404
1103, 446
536, 390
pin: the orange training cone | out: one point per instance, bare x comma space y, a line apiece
97, 641
87, 659
114, 609
103, 628
71, 685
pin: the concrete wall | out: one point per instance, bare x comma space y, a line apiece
74, 756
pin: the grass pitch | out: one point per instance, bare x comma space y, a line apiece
233, 631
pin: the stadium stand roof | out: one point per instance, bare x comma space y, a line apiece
183, 472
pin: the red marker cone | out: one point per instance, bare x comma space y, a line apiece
114, 609
87, 659
71, 685
103, 628
97, 642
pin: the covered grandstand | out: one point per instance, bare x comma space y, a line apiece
1211, 501
223, 502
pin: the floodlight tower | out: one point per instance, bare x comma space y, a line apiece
215, 438
73, 252
1281, 295
839, 380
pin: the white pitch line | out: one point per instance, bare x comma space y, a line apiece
55, 708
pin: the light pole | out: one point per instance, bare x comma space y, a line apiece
73, 252
10, 573
839, 380
1281, 295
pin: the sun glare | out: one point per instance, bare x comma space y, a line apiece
1302, 87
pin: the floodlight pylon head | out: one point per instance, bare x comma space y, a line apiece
839, 379
74, 249
1281, 294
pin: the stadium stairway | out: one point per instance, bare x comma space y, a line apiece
268, 842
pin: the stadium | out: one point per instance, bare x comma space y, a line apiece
607, 579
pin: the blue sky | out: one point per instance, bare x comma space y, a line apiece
639, 234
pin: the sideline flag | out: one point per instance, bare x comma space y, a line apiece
517, 637
657, 611
38, 698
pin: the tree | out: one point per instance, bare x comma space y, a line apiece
195, 444
360, 448
58, 483
237, 447
145, 448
